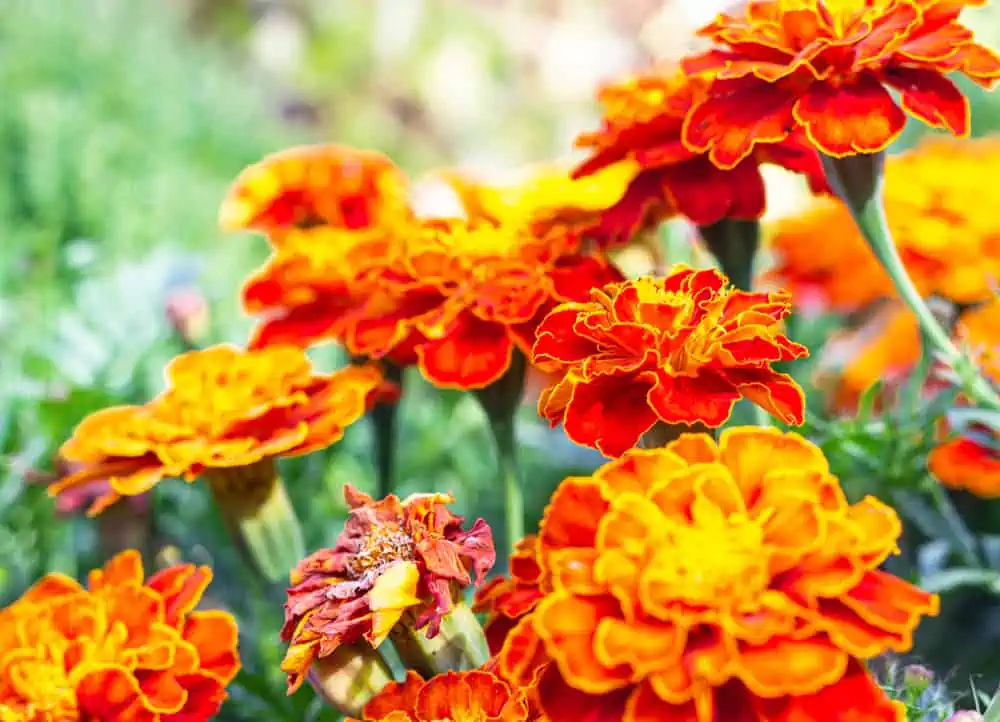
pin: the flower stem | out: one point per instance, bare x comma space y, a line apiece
459, 645
255, 505
384, 417
348, 678
734, 244
500, 401
858, 180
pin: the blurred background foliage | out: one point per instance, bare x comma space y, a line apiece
122, 125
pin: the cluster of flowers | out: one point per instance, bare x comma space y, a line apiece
700, 580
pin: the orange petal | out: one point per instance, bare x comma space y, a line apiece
932, 98
472, 355
707, 398
215, 636
860, 117
788, 666
111, 693
609, 413
750, 452
395, 696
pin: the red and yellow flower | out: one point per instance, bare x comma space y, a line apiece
823, 67
507, 599
316, 185
971, 461
643, 117
223, 408
682, 349
937, 199
496, 283
121, 650
473, 696
705, 580
393, 558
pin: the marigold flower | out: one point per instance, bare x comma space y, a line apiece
392, 558
936, 199
971, 461
120, 649
496, 282
473, 696
643, 117
682, 349
305, 186
506, 600
706, 578
223, 408
823, 67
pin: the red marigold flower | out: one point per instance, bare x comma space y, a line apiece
707, 578
971, 460
496, 282
473, 696
682, 349
121, 649
393, 557
643, 117
823, 67
937, 200
223, 408
305, 186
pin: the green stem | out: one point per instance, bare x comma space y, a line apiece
350, 677
858, 181
384, 417
734, 244
962, 539
500, 401
459, 645
254, 503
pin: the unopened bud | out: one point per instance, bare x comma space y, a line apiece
965, 715
917, 678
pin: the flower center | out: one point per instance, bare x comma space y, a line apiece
384, 544
711, 565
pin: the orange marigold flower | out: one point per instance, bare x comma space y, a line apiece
682, 349
496, 282
937, 199
393, 557
121, 649
223, 408
706, 581
823, 67
473, 696
506, 600
326, 284
305, 186
972, 460
643, 117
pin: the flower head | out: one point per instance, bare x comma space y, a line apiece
496, 283
822, 67
643, 117
683, 349
223, 408
971, 460
709, 576
393, 557
936, 198
473, 696
316, 185
120, 649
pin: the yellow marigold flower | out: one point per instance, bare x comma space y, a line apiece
472, 696
121, 650
707, 578
393, 558
226, 414
938, 198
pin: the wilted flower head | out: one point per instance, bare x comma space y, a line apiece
937, 199
121, 649
971, 460
473, 696
223, 408
316, 185
643, 117
393, 557
682, 349
708, 579
783, 66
